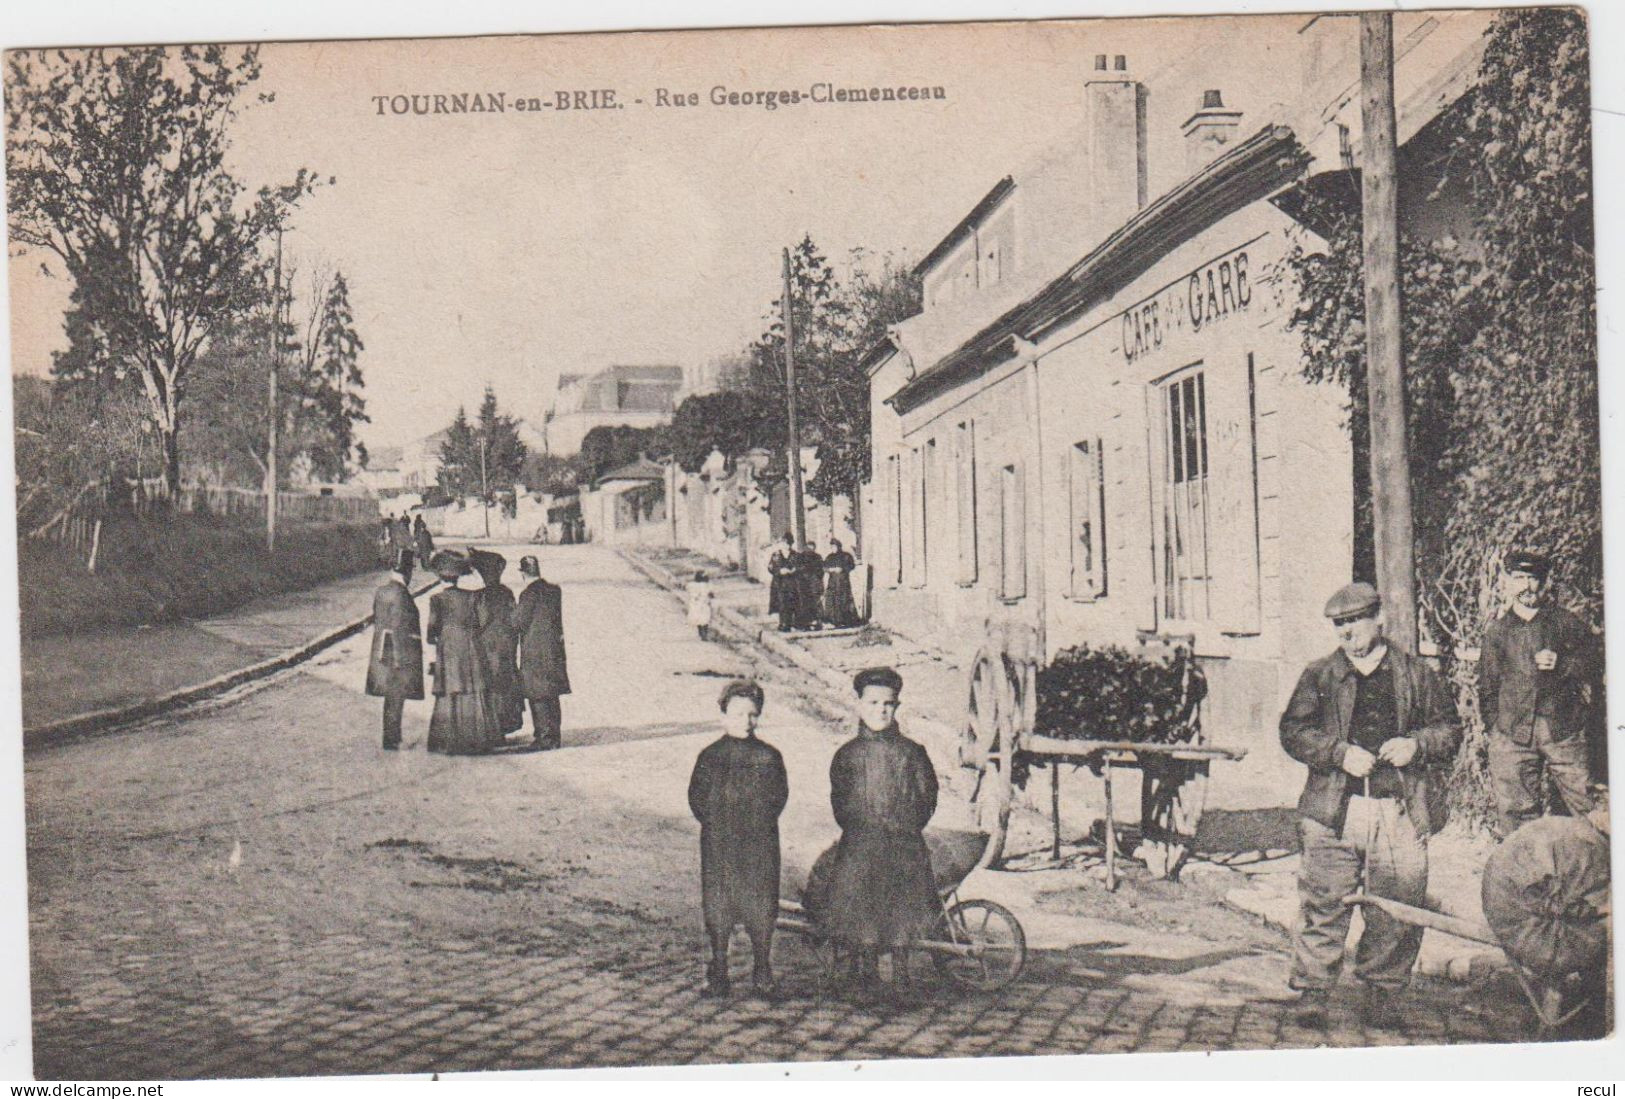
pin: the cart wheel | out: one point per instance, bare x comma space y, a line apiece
998, 946
997, 704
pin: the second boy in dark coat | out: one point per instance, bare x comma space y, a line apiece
737, 791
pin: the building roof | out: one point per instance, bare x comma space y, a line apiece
640, 470
966, 224
1250, 170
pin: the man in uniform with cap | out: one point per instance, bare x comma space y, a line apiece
543, 675
1378, 732
395, 665
1536, 665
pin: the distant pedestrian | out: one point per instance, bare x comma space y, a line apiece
422, 540
401, 535
543, 672
465, 719
1378, 732
1537, 665
883, 789
386, 541
395, 666
839, 609
737, 791
809, 585
701, 604
783, 590
499, 640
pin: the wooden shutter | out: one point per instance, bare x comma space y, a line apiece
1233, 492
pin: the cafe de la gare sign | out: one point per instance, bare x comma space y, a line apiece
1196, 302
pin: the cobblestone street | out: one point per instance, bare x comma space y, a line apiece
254, 889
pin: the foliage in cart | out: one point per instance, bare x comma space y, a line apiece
1114, 694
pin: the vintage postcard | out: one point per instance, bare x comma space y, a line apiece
803, 545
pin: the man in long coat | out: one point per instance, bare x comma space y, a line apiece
395, 668
782, 590
1534, 678
543, 673
809, 586
883, 789
839, 608
737, 791
422, 540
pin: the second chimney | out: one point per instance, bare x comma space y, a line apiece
1209, 131
1114, 104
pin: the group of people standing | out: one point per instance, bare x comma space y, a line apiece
400, 534
1379, 733
872, 893
494, 653
808, 591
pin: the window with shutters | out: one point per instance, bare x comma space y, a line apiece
1185, 595
965, 499
1012, 534
1086, 485
1207, 538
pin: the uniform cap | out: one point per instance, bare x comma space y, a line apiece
1353, 601
1535, 564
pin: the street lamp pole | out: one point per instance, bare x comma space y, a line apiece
797, 520
273, 417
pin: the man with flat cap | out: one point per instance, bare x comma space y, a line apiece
1378, 732
395, 665
543, 675
1537, 662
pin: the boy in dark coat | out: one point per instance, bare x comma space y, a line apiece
737, 792
883, 790
395, 667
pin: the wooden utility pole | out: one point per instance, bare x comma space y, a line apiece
273, 417
798, 524
1385, 367
485, 496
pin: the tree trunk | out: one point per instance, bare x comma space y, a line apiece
169, 440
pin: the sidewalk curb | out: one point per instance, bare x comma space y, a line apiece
108, 720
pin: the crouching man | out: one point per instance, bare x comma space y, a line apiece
1378, 732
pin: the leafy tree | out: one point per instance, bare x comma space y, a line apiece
606, 448
1499, 339
115, 163
732, 421
550, 473
459, 473
486, 457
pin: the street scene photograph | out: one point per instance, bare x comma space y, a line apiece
797, 545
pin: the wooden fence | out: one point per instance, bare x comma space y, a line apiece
77, 526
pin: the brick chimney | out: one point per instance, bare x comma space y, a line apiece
1114, 104
1209, 131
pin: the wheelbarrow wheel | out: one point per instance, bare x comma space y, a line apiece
996, 945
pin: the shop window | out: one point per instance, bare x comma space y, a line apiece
1012, 534
1086, 485
965, 499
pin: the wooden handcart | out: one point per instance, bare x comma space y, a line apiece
999, 738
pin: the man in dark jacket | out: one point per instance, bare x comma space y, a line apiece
737, 791
883, 789
543, 674
395, 668
1378, 732
1536, 667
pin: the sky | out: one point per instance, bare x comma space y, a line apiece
505, 249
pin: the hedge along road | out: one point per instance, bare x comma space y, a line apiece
257, 889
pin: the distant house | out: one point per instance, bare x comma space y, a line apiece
621, 396
415, 466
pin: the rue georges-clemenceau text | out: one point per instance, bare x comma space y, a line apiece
575, 100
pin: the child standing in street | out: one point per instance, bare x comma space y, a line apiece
701, 604
737, 792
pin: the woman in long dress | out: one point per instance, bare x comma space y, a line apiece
839, 609
423, 540
465, 719
499, 640
781, 593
